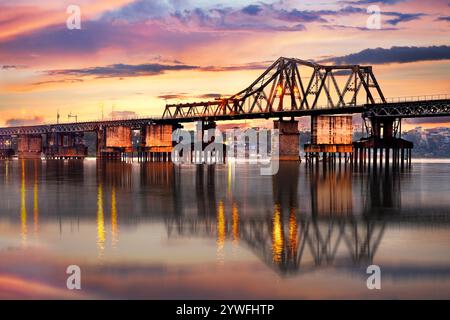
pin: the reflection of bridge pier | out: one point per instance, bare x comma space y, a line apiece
383, 192
205, 195
331, 191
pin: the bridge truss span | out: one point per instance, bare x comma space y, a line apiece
291, 86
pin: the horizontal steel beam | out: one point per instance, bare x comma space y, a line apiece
413, 109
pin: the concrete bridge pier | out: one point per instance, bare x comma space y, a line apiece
65, 145
114, 142
6, 148
289, 140
29, 146
156, 142
383, 147
331, 137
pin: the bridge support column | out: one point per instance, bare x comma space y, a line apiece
157, 141
383, 141
6, 149
67, 145
114, 142
289, 140
29, 146
331, 136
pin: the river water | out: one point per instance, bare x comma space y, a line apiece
157, 230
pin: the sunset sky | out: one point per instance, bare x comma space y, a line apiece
136, 55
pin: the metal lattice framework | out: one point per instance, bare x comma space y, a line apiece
291, 85
411, 109
73, 127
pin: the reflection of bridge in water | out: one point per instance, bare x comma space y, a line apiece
297, 244
300, 221
334, 234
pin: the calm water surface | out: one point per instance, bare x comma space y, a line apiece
164, 231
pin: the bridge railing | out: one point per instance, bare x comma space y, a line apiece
104, 119
415, 98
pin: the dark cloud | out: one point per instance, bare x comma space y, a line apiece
339, 26
121, 70
12, 67
443, 19
57, 81
173, 96
252, 9
184, 96
248, 66
296, 15
141, 10
300, 16
210, 96
16, 122
402, 17
394, 55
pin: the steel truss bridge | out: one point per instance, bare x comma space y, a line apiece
288, 88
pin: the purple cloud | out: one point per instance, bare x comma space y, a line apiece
121, 70
394, 55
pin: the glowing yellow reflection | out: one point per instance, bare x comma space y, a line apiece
293, 233
101, 235
277, 236
114, 228
235, 223
221, 231
23, 207
35, 199
230, 176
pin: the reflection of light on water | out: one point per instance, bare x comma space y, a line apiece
293, 233
6, 171
101, 236
221, 232
35, 199
277, 235
114, 228
230, 175
235, 224
23, 207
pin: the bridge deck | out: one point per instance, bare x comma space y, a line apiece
427, 108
